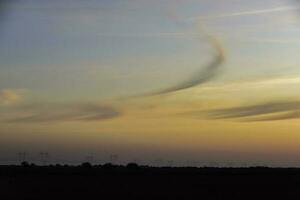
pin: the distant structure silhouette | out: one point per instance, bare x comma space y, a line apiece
137, 161
86, 165
25, 164
170, 163
213, 164
229, 164
132, 166
22, 156
114, 158
158, 162
89, 159
44, 157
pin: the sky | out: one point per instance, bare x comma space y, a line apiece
187, 82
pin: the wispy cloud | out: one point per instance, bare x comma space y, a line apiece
34, 113
249, 12
274, 40
242, 85
208, 72
281, 116
260, 112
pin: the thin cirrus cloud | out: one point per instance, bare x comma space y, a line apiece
260, 112
39, 113
249, 12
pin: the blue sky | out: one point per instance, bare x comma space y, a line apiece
42, 39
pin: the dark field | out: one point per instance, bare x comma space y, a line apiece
136, 182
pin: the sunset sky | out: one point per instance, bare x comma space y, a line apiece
152, 81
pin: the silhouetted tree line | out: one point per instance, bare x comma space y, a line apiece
111, 181
86, 165
131, 165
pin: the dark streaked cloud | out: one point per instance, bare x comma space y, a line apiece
209, 71
271, 111
254, 110
277, 117
34, 113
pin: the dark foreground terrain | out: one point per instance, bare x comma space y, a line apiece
135, 182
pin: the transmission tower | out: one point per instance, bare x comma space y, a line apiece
22, 156
114, 158
44, 157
